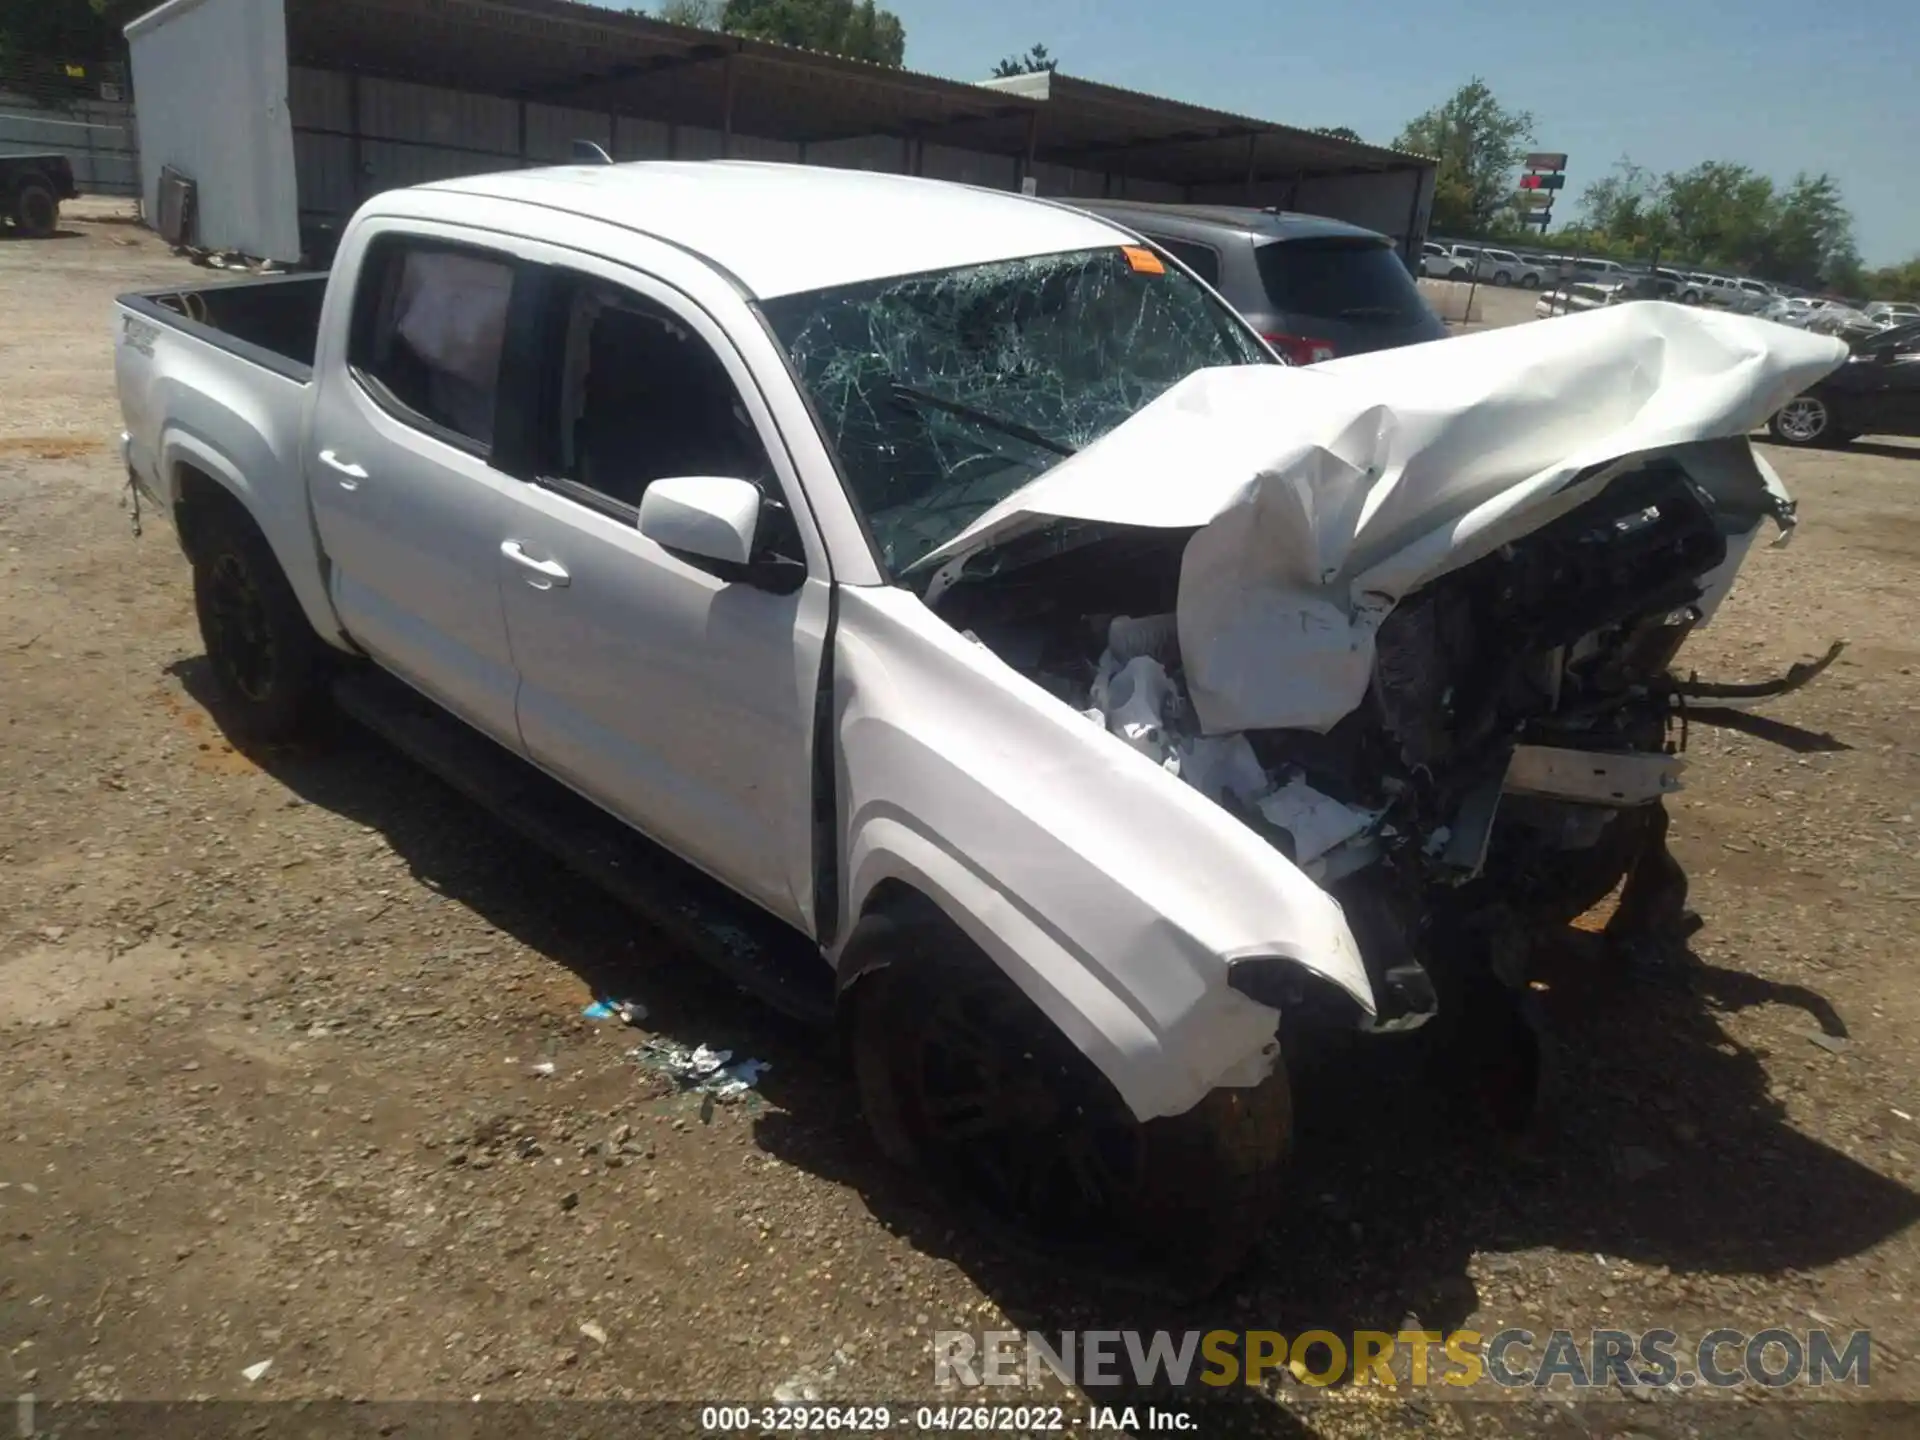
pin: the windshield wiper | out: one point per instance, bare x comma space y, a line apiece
908, 395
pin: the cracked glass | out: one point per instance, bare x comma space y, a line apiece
943, 393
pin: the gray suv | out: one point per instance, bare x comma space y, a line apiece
1316, 288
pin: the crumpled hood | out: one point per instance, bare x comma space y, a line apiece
1324, 495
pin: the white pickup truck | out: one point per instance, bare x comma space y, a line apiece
937, 608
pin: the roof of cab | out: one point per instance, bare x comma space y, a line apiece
783, 229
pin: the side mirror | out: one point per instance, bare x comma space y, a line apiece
703, 517
713, 522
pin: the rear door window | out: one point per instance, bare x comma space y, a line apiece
1337, 278
429, 330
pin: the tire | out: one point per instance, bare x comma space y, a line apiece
1804, 421
268, 665
1457, 273
36, 209
1503, 277
1529, 281
963, 1079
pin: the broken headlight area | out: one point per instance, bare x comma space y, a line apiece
1506, 766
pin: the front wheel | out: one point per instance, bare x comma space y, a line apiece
963, 1078
1803, 420
1529, 282
269, 666
1503, 277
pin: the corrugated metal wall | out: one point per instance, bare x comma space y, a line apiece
97, 136
404, 134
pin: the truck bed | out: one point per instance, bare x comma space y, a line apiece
273, 322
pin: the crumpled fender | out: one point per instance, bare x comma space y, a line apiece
1109, 891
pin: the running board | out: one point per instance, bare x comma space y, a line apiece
757, 952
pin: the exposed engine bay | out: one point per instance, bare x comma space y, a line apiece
1508, 763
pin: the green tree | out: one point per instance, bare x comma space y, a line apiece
1479, 144
1893, 282
694, 14
1031, 63
65, 30
859, 30
1724, 215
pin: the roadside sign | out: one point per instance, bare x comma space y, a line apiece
1545, 160
1543, 182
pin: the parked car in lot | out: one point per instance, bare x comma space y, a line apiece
1314, 288
1593, 269
930, 628
32, 188
1502, 267
1578, 296
1892, 312
1539, 272
1877, 392
1678, 286
1437, 262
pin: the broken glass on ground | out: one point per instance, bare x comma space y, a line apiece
701, 1069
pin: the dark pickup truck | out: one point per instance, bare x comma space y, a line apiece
31, 189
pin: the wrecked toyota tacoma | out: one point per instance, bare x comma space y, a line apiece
962, 630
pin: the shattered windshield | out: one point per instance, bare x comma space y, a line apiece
946, 392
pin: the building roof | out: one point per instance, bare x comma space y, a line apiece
562, 53
764, 222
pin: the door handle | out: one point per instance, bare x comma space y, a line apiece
350, 475
552, 572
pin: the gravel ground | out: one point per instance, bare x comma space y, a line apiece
272, 1029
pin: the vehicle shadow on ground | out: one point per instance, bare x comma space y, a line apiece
1666, 1146
458, 850
14, 237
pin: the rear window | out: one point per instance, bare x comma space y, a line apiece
1340, 279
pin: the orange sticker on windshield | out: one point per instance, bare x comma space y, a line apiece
1145, 261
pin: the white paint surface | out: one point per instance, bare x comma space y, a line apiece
212, 80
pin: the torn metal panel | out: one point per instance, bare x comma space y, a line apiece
1592, 778
1113, 893
1322, 496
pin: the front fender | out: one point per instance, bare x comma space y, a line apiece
1113, 894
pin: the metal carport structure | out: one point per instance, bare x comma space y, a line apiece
381, 93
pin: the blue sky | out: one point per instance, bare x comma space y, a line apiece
1781, 85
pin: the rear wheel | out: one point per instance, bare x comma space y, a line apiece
965, 1079
1529, 281
270, 667
36, 209
1503, 277
1803, 420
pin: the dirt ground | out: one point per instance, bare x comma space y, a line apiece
270, 1023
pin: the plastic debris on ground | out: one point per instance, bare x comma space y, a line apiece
631, 1012
254, 1371
713, 1073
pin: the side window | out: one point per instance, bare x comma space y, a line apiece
636, 396
429, 329
1203, 260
